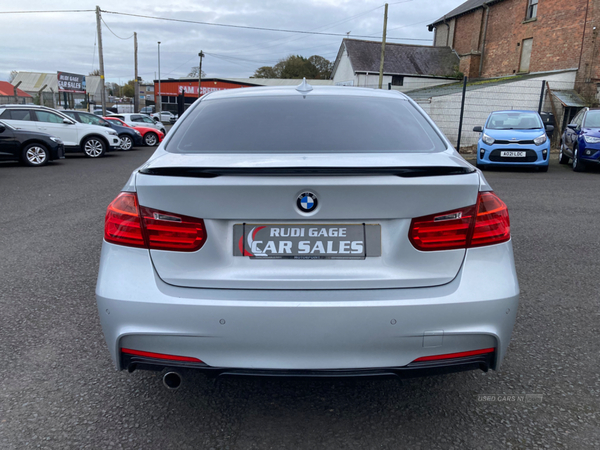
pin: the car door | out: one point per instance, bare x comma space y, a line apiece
9, 144
53, 124
23, 119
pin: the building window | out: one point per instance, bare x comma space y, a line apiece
525, 55
397, 80
531, 9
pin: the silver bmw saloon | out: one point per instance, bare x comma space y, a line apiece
326, 231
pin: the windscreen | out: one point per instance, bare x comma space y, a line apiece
299, 124
514, 121
592, 119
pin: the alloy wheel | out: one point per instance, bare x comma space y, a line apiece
93, 148
126, 143
150, 139
36, 155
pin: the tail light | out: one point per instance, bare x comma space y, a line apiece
127, 223
484, 223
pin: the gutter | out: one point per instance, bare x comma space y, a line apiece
487, 16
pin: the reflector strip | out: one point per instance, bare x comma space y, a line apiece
455, 355
159, 355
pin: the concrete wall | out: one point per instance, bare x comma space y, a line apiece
410, 83
344, 73
479, 103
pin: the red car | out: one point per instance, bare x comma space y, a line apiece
151, 136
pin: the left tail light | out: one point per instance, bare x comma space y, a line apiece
127, 223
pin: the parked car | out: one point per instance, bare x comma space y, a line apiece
580, 141
164, 116
94, 141
144, 120
331, 232
150, 136
513, 138
148, 109
109, 110
130, 137
30, 147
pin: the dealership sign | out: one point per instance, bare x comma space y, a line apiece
71, 82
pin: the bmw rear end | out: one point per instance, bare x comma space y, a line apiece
300, 231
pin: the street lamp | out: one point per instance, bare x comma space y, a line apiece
158, 104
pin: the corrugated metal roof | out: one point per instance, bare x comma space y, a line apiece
401, 59
8, 90
569, 98
468, 6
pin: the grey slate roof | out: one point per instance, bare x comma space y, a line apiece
401, 59
466, 7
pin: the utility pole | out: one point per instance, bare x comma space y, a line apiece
136, 84
159, 102
383, 46
101, 60
201, 55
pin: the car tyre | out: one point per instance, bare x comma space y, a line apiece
35, 155
151, 139
577, 164
126, 142
562, 158
94, 147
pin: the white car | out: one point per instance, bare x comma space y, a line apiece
164, 116
94, 141
136, 120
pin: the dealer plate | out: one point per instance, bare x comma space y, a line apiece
512, 154
302, 241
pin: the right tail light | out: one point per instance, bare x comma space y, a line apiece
485, 223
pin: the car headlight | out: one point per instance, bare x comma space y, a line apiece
55, 139
137, 132
112, 133
591, 139
540, 139
487, 139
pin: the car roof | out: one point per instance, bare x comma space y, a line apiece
514, 111
282, 91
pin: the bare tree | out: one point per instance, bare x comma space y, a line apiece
194, 73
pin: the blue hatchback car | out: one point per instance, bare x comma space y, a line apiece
581, 140
514, 138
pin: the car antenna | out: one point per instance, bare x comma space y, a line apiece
304, 87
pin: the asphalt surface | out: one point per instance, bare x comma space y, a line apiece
58, 388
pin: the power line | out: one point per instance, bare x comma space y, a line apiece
248, 27
54, 11
124, 39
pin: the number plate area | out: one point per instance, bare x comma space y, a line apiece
512, 154
301, 241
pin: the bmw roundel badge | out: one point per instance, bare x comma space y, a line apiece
307, 202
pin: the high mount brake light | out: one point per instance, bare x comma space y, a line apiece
485, 223
127, 223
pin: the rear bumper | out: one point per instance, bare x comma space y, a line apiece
344, 332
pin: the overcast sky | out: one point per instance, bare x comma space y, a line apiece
67, 41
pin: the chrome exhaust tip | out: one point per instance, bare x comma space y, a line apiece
172, 380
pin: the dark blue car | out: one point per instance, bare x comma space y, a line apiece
581, 140
129, 137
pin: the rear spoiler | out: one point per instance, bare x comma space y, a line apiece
213, 172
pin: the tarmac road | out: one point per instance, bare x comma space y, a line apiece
58, 388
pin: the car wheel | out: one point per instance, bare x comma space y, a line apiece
562, 158
577, 164
35, 155
150, 139
94, 147
126, 142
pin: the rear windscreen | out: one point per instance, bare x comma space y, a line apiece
297, 124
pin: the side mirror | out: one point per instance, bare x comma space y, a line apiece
478, 129
572, 126
68, 121
2, 128
549, 128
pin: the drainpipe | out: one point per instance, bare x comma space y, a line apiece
487, 16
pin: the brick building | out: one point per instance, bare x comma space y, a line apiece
496, 38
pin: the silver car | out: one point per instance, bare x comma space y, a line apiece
322, 231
